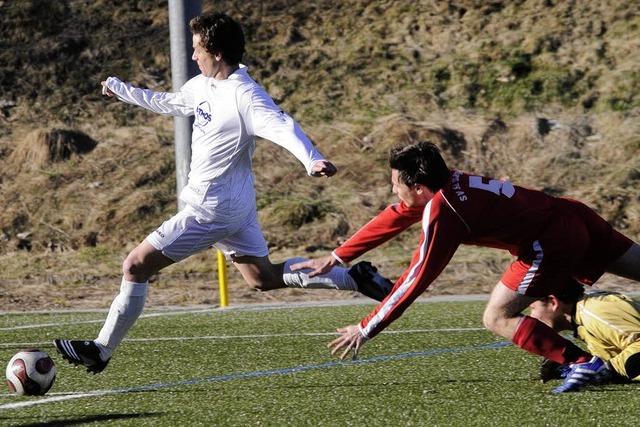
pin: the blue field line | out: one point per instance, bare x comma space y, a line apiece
332, 364
256, 374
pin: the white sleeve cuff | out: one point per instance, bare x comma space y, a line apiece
333, 254
112, 81
312, 164
364, 336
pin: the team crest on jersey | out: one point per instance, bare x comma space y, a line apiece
203, 115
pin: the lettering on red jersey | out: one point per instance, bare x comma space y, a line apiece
469, 209
455, 185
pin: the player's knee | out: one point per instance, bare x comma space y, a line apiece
134, 268
491, 320
129, 267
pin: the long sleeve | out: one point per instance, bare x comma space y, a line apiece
442, 233
268, 121
166, 103
389, 223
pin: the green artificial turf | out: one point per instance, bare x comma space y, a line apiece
272, 367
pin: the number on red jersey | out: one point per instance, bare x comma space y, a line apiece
504, 188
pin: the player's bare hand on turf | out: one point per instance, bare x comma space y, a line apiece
105, 90
323, 168
317, 265
350, 340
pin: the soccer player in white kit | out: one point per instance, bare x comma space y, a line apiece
219, 199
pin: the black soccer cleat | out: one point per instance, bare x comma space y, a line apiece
85, 353
369, 281
550, 370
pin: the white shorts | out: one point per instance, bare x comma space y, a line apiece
186, 233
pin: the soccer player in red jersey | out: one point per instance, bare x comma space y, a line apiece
553, 239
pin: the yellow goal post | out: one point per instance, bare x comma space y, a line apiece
222, 279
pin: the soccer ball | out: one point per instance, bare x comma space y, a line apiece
30, 372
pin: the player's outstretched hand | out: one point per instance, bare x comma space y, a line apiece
350, 339
106, 91
317, 265
323, 168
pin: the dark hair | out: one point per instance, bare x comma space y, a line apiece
219, 33
420, 163
571, 292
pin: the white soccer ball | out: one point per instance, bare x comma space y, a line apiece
30, 372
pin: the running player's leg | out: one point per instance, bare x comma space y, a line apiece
143, 262
176, 239
248, 250
140, 264
261, 274
257, 271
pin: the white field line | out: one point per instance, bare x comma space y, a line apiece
264, 306
261, 336
221, 337
60, 398
101, 320
246, 307
249, 375
171, 312
205, 308
51, 393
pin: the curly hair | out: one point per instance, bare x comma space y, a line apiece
219, 33
419, 163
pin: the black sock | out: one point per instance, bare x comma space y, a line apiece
632, 366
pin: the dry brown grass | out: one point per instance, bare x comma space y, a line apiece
109, 192
42, 147
544, 93
593, 158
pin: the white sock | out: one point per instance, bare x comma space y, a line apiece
124, 311
337, 278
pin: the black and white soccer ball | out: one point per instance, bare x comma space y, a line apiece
30, 372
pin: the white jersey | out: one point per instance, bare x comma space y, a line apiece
228, 115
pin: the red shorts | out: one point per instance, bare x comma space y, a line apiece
577, 244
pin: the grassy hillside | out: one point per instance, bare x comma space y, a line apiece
544, 92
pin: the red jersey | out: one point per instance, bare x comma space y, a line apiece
469, 209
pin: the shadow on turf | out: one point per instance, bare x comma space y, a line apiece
90, 419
